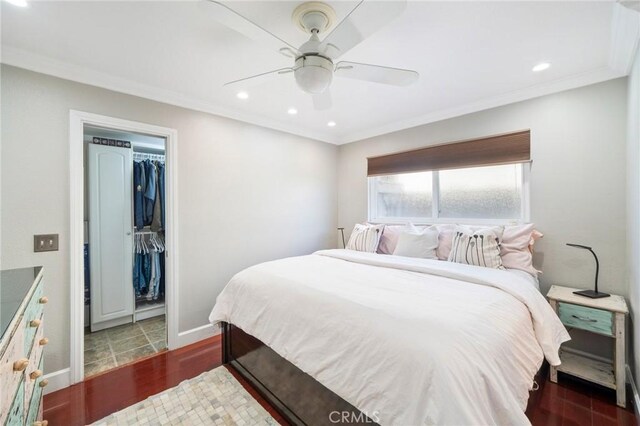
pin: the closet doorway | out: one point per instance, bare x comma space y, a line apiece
126, 274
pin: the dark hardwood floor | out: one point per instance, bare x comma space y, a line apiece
568, 403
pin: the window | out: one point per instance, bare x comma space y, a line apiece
496, 194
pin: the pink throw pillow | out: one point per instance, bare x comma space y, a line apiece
389, 238
515, 247
445, 240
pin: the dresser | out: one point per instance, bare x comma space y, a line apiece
21, 325
603, 317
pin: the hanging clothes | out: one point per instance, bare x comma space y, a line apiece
162, 193
150, 191
139, 186
148, 268
149, 210
156, 272
156, 220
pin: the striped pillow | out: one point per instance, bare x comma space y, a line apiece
365, 238
480, 248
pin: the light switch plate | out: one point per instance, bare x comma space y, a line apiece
45, 242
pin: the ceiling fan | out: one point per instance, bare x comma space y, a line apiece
314, 61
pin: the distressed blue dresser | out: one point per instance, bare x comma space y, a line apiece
21, 379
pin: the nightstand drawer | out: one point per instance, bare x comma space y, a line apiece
584, 318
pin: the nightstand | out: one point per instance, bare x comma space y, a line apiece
605, 317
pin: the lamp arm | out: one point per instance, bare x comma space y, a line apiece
597, 267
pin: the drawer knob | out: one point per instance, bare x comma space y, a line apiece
20, 364
35, 374
43, 300
35, 323
43, 383
43, 341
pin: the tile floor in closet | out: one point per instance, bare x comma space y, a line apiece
113, 347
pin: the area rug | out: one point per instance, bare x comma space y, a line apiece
213, 398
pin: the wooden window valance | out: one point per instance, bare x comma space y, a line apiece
488, 151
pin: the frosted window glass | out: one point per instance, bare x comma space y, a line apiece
405, 195
482, 192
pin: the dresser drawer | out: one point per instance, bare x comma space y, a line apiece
584, 318
16, 412
35, 399
34, 370
10, 379
33, 317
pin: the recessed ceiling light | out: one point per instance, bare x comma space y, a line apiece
242, 95
331, 124
292, 111
541, 67
19, 3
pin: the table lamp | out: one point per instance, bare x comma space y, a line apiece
593, 294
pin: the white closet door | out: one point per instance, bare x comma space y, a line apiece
110, 233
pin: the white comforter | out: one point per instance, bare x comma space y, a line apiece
406, 341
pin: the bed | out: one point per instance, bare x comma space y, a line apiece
394, 340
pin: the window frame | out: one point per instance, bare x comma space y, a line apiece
525, 207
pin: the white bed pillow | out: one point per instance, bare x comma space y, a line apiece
413, 242
480, 247
365, 238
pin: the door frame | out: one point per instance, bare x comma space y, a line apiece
77, 120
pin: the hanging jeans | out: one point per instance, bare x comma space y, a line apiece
138, 191
154, 282
150, 191
162, 195
139, 274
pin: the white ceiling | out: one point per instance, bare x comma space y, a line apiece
470, 56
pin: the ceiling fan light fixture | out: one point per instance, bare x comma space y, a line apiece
19, 3
313, 73
541, 67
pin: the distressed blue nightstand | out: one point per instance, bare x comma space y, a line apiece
605, 317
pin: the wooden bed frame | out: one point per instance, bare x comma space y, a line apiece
297, 396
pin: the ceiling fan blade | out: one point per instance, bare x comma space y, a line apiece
376, 73
365, 19
322, 100
258, 78
232, 19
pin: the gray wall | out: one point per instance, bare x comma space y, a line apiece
246, 194
577, 176
633, 205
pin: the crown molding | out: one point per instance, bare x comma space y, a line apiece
625, 33
42, 64
23, 59
578, 80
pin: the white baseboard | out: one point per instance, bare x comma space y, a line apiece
57, 380
634, 390
196, 334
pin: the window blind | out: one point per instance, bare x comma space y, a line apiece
487, 151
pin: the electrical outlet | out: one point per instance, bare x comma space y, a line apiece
45, 242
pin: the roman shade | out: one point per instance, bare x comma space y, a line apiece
487, 151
